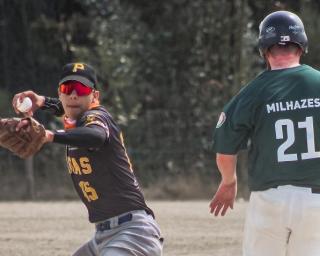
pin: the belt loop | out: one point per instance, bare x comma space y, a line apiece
113, 222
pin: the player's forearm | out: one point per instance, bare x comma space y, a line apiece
227, 166
88, 137
53, 105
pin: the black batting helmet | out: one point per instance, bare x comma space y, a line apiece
282, 27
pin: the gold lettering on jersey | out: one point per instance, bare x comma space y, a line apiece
85, 165
88, 192
76, 167
79, 166
77, 66
70, 170
282, 106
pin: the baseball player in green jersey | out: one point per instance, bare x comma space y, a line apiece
99, 167
277, 116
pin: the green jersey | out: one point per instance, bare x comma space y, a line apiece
277, 116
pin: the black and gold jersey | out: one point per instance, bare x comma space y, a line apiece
103, 176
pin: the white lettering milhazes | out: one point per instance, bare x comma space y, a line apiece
292, 105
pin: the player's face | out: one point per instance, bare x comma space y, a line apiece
76, 102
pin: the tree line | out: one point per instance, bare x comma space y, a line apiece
165, 70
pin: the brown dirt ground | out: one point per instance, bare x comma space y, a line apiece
58, 228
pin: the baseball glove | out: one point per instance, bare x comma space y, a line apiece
25, 142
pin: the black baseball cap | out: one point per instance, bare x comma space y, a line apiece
80, 72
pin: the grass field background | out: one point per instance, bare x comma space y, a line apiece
58, 228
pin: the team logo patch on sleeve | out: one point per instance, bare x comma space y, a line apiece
222, 119
93, 119
90, 119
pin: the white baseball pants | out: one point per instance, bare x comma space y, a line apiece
283, 221
138, 237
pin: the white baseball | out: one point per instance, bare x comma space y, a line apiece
24, 105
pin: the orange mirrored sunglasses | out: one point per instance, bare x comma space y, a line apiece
70, 86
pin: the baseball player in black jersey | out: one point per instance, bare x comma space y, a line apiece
99, 167
277, 115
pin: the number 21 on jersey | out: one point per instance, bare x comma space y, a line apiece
288, 125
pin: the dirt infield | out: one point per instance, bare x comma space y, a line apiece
58, 228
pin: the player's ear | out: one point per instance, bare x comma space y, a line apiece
96, 95
299, 52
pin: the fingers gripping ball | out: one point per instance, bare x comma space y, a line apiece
24, 105
25, 142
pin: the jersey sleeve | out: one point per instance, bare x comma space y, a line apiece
93, 137
95, 118
91, 131
234, 126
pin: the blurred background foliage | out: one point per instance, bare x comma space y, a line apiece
166, 68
